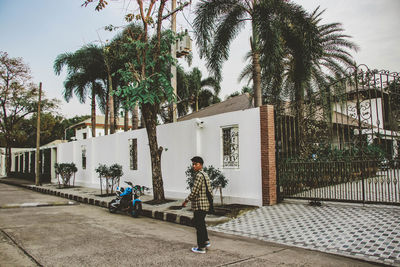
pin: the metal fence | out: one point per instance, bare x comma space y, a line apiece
342, 143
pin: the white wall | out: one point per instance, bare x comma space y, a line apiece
88, 130
2, 161
181, 141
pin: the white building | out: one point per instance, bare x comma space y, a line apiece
83, 129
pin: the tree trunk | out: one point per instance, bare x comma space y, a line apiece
220, 195
257, 79
116, 120
150, 117
299, 109
142, 121
197, 101
106, 115
8, 159
135, 117
111, 104
256, 70
93, 110
126, 120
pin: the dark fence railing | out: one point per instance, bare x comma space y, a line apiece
342, 144
359, 181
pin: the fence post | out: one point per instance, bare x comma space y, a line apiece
268, 164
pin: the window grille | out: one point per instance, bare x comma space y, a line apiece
133, 154
83, 157
230, 147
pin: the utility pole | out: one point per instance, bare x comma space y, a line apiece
37, 178
173, 67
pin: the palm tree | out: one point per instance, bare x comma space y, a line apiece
315, 55
310, 55
118, 54
194, 92
85, 72
183, 92
198, 91
218, 22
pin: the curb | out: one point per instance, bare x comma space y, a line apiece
38, 204
154, 214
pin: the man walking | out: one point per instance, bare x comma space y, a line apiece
200, 204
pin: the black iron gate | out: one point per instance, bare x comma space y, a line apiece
342, 143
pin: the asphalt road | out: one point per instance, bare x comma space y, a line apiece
85, 235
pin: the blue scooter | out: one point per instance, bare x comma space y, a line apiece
128, 200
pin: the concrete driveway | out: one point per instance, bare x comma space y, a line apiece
85, 235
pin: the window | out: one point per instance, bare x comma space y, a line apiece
84, 135
133, 154
230, 147
83, 157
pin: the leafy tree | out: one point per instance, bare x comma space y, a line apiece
86, 70
51, 128
18, 100
147, 76
119, 53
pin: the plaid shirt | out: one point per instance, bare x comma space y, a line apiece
198, 195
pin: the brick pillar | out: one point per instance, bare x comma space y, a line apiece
268, 166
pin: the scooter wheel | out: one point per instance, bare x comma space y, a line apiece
137, 209
111, 208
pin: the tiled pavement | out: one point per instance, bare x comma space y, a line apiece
368, 232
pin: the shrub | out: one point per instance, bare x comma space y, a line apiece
65, 171
114, 171
112, 174
217, 178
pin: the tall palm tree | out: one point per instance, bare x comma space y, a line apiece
118, 55
315, 55
218, 22
310, 55
85, 70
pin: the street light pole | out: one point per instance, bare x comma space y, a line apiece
173, 67
37, 178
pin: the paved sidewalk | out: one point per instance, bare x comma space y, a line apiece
366, 232
92, 196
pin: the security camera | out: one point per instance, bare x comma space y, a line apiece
199, 123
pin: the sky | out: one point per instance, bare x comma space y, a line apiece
38, 31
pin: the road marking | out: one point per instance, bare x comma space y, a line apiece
37, 204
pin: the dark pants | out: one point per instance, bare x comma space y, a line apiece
201, 230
